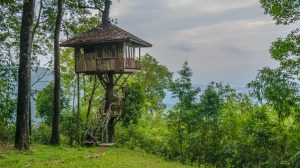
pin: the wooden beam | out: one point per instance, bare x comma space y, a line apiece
139, 53
102, 80
78, 110
124, 50
118, 78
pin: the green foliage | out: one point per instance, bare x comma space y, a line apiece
69, 128
204, 136
283, 11
149, 134
41, 134
279, 90
181, 116
155, 79
134, 102
7, 112
83, 24
212, 100
9, 40
44, 103
182, 87
67, 68
220, 128
287, 52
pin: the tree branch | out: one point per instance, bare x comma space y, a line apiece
80, 5
99, 8
40, 77
38, 20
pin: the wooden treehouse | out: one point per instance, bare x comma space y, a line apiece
106, 48
112, 54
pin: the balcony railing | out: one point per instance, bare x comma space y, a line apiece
131, 63
90, 63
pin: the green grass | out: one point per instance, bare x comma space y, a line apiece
47, 156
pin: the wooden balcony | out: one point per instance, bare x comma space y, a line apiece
89, 63
130, 63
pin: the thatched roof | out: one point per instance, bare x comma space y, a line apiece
104, 33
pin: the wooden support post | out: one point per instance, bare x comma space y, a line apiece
139, 53
78, 110
111, 131
109, 96
109, 81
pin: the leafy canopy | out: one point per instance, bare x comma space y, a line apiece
283, 11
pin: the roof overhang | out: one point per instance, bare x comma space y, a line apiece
86, 43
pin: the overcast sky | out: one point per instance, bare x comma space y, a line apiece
223, 40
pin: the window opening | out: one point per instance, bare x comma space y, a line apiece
114, 50
88, 50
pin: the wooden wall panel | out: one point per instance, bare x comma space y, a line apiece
95, 62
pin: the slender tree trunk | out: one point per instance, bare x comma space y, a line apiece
109, 96
21, 138
91, 99
105, 14
110, 85
30, 97
55, 139
29, 119
180, 139
78, 110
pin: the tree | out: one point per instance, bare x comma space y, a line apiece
103, 6
285, 50
10, 21
55, 137
105, 13
21, 139
155, 79
183, 89
44, 103
279, 90
205, 124
134, 104
283, 11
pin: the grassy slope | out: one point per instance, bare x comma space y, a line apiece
45, 156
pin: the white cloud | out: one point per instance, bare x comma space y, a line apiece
224, 40
208, 6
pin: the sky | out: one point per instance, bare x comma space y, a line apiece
223, 40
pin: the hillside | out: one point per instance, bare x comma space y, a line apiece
45, 156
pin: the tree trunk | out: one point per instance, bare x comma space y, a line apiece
111, 131
91, 99
30, 97
29, 120
78, 110
21, 138
109, 96
105, 14
55, 139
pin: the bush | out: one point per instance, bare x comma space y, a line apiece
7, 133
69, 128
41, 134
